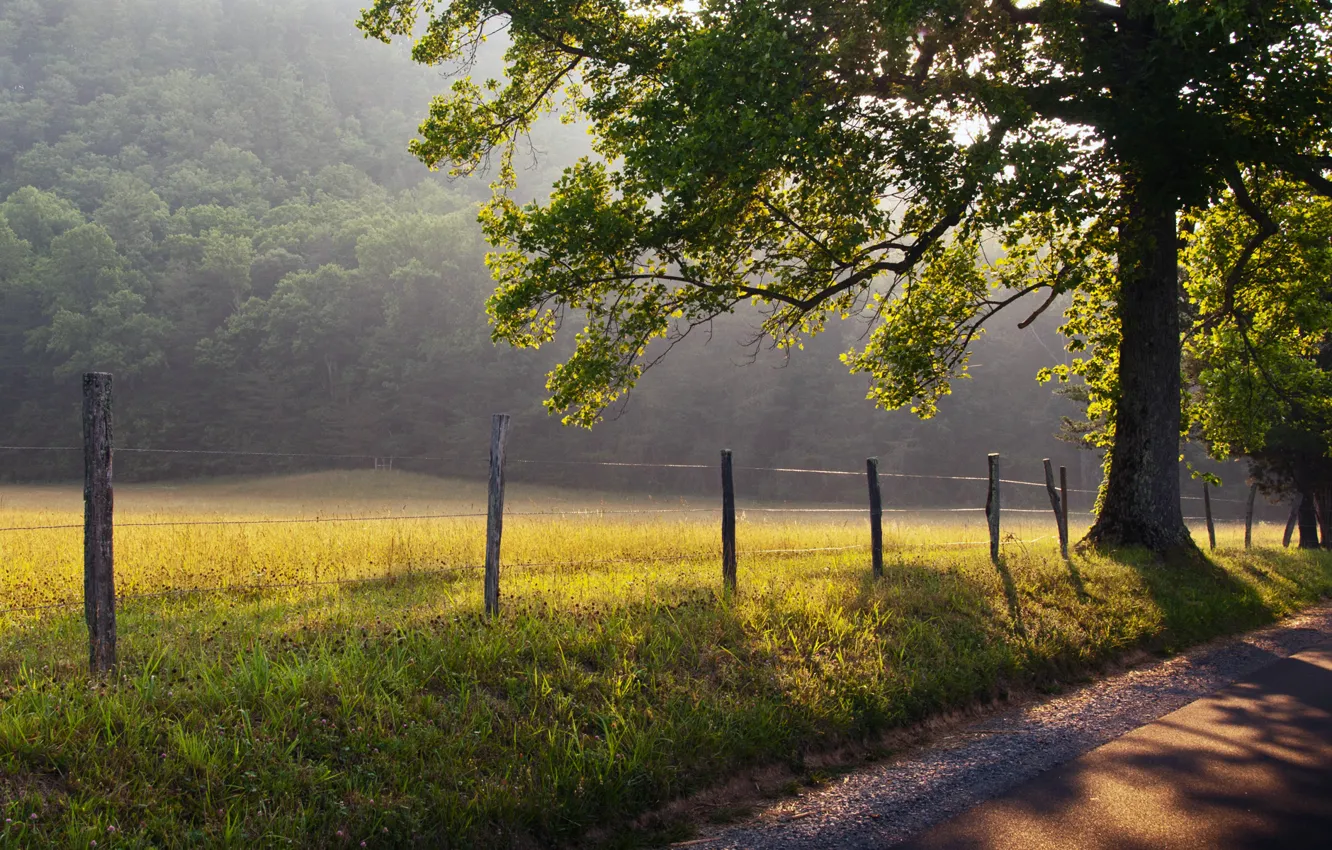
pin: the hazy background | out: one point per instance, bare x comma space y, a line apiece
212, 199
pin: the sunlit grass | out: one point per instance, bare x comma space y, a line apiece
618, 676
233, 534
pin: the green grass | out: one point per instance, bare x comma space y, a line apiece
392, 712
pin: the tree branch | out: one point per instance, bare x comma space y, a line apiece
1033, 14
785, 217
1024, 15
1267, 228
1054, 293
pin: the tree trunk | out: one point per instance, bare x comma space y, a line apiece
1308, 521
1323, 506
1141, 506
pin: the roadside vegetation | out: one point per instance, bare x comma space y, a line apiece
390, 712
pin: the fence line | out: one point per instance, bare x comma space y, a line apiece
100, 598
1002, 542
39, 527
611, 463
415, 573
530, 461
551, 513
390, 518
229, 452
279, 454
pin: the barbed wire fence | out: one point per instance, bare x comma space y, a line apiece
100, 597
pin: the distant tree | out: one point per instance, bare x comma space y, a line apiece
1260, 354
838, 159
1294, 463
38, 217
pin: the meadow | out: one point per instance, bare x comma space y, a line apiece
333, 683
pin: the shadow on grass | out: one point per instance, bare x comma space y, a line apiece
571, 715
1075, 576
1011, 595
1201, 595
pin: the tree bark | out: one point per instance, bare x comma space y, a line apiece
1308, 521
1323, 506
1142, 506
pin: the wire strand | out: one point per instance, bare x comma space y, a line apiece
611, 463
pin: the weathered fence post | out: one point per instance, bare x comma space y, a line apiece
876, 516
99, 583
1248, 517
1063, 501
499, 435
992, 507
1207, 514
1057, 504
728, 523
1290, 523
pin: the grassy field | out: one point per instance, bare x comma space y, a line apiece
378, 708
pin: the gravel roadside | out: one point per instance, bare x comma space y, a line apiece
901, 797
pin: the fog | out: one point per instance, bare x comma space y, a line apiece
213, 201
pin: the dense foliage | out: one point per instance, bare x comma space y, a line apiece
214, 201
211, 202
1260, 354
829, 161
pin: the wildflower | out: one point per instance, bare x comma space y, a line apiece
111, 828
32, 816
342, 834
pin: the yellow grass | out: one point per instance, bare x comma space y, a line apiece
618, 675
368, 525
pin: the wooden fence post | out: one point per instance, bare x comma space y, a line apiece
499, 435
1248, 517
1290, 523
992, 507
99, 583
1063, 501
728, 523
876, 516
1057, 504
1207, 513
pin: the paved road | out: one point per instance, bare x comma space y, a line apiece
1250, 766
993, 761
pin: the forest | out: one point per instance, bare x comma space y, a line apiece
214, 201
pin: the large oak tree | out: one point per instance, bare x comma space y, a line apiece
852, 158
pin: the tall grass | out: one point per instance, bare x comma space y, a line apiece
390, 711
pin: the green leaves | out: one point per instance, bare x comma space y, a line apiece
848, 160
1259, 355
116, 334
921, 344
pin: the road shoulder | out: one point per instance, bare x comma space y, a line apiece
902, 797
1249, 766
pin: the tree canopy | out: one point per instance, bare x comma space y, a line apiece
214, 201
858, 159
1261, 365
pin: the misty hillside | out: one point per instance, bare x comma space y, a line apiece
213, 201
